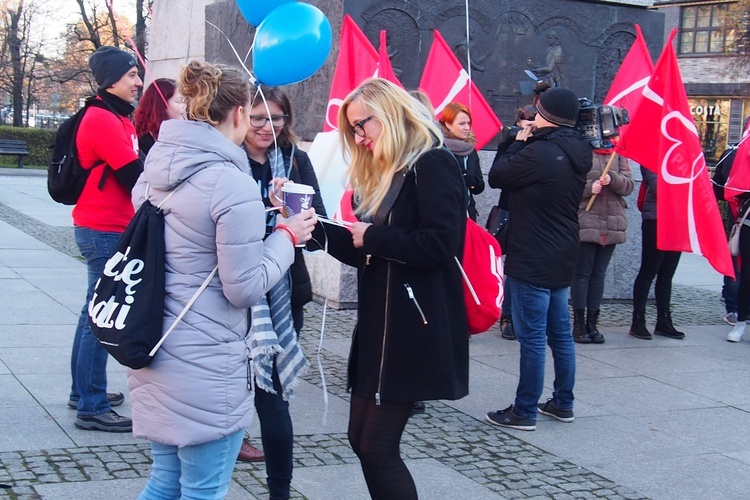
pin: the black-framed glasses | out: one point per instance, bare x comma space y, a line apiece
359, 127
259, 121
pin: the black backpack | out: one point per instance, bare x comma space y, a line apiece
126, 311
65, 176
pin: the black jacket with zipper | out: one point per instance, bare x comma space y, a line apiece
411, 339
545, 176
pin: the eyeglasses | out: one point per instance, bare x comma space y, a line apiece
276, 121
359, 127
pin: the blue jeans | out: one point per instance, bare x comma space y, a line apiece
88, 361
199, 472
540, 316
277, 436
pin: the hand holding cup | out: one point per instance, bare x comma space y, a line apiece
301, 224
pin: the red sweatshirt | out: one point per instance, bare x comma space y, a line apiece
104, 136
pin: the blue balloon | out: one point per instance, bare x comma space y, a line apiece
257, 10
291, 44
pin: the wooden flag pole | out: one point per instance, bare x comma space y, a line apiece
605, 172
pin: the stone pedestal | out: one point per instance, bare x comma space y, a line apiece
332, 280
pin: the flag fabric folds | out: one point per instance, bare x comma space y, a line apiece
444, 80
663, 138
357, 61
627, 87
385, 69
738, 182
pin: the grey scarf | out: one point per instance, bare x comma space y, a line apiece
272, 329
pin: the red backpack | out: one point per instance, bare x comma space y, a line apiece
482, 270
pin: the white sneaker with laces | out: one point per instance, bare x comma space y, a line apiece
737, 332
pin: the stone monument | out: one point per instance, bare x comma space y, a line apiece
579, 44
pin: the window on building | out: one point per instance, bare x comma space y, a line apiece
702, 29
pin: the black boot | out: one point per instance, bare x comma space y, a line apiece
580, 335
592, 317
665, 327
506, 328
638, 328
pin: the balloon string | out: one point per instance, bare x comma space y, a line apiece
253, 79
130, 40
239, 59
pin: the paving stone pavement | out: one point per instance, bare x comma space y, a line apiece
504, 463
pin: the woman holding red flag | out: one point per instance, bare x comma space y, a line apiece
655, 263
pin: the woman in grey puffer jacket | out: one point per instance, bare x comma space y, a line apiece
601, 228
195, 399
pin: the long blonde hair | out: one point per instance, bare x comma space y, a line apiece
407, 133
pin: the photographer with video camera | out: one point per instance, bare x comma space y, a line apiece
545, 171
524, 118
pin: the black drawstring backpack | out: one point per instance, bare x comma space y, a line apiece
126, 312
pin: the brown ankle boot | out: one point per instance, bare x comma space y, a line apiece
249, 453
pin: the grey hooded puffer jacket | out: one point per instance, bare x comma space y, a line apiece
197, 389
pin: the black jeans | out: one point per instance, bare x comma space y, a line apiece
277, 436
587, 289
657, 264
743, 299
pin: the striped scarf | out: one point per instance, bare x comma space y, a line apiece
272, 329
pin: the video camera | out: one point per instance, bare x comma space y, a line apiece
597, 124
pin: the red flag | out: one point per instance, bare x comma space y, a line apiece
444, 80
385, 69
669, 144
627, 87
738, 182
357, 61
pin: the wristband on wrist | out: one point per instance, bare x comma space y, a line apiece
289, 231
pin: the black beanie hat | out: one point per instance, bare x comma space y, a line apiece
560, 106
109, 64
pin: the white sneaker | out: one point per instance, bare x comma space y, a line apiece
737, 332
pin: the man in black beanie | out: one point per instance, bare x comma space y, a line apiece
106, 144
545, 172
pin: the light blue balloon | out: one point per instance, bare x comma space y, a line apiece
291, 44
257, 10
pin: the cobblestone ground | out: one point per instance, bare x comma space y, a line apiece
496, 460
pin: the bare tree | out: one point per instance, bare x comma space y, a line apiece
21, 58
737, 33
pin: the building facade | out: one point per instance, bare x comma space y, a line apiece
719, 95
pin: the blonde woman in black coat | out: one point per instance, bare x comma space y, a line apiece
411, 339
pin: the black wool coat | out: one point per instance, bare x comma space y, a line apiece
411, 338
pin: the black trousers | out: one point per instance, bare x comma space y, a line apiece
657, 264
743, 298
587, 289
